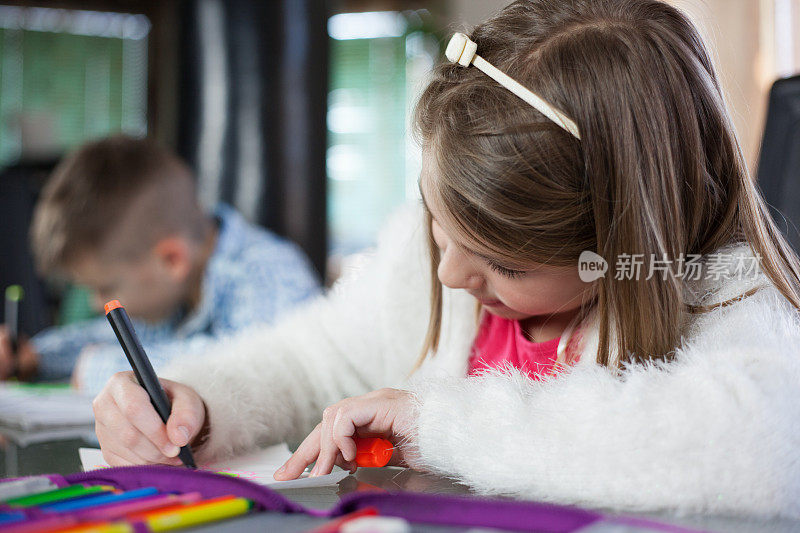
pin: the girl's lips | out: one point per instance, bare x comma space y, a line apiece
486, 301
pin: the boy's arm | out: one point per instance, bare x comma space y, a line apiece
268, 283
58, 347
97, 363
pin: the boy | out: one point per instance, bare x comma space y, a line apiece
120, 216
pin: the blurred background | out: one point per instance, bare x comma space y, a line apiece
294, 111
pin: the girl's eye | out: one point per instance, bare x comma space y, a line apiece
507, 272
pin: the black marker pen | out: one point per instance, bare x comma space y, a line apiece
126, 335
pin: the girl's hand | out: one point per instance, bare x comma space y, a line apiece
131, 432
387, 413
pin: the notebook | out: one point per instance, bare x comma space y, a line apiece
34, 406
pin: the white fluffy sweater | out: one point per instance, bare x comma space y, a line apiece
716, 430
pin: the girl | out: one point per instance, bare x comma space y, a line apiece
669, 381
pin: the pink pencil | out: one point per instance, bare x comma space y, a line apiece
121, 509
42, 524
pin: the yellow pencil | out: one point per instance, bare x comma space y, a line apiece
198, 513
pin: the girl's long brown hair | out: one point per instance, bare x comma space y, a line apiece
658, 170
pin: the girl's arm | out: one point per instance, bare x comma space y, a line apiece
717, 429
271, 384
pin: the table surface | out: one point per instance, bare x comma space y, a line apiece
62, 457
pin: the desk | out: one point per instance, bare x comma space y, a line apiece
62, 457
40, 426
42, 452
394, 479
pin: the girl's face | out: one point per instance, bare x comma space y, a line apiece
536, 291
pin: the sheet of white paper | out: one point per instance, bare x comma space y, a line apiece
34, 407
257, 467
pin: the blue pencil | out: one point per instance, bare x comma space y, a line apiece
7, 518
96, 501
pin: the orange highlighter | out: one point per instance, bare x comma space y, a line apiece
372, 452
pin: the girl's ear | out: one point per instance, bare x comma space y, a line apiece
174, 255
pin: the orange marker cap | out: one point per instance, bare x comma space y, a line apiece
373, 452
113, 304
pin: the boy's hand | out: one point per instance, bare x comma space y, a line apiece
131, 432
24, 362
388, 413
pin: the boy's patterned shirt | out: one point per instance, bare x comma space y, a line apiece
252, 276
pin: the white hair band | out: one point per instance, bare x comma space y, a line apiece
462, 50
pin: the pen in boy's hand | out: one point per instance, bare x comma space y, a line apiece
142, 368
14, 294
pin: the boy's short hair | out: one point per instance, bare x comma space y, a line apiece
119, 195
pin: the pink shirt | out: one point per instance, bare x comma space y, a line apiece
501, 341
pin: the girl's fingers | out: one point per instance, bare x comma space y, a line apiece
127, 443
133, 403
346, 465
344, 428
337, 443
328, 451
127, 425
188, 413
305, 455
332, 441
115, 460
117, 454
338, 460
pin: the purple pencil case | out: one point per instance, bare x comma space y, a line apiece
431, 509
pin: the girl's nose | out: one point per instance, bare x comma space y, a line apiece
457, 271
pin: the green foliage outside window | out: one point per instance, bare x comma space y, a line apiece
68, 76
378, 66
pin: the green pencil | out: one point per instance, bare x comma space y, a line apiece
73, 491
14, 294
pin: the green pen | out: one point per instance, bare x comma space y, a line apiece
14, 295
67, 493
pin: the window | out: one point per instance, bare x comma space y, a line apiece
379, 64
785, 36
67, 76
